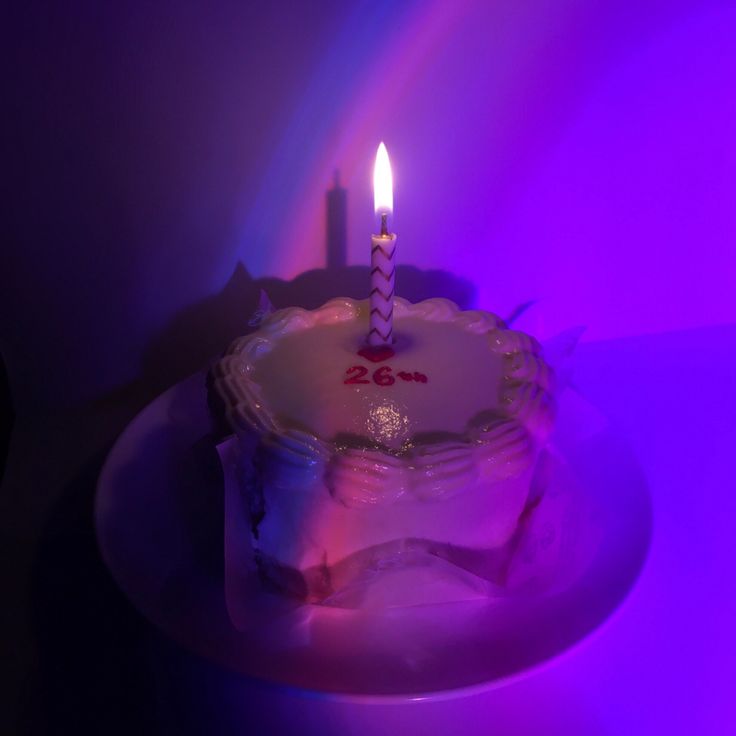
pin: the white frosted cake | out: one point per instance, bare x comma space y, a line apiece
366, 460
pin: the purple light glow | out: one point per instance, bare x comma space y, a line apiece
574, 156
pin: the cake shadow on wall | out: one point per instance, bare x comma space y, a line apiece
200, 333
80, 617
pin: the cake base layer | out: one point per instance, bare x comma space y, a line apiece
378, 576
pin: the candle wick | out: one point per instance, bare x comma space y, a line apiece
384, 223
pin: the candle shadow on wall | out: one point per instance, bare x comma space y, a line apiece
198, 334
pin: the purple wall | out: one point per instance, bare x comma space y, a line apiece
580, 155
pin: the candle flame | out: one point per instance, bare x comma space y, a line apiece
383, 189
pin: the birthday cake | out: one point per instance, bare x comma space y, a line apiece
360, 463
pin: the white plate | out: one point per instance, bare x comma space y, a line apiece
159, 517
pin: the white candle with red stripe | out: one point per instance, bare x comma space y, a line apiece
383, 250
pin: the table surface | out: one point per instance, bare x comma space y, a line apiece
665, 662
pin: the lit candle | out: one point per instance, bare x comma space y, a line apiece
383, 249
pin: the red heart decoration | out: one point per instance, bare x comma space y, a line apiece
376, 353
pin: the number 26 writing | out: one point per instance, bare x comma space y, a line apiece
382, 376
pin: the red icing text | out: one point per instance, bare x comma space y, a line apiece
416, 376
383, 376
358, 372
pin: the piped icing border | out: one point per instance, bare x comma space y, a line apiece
496, 445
